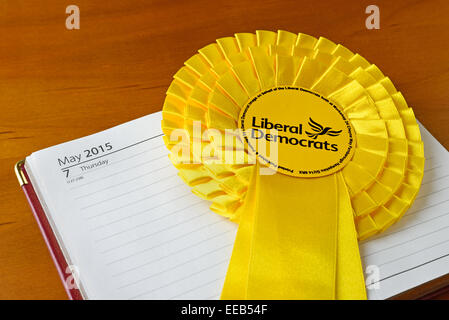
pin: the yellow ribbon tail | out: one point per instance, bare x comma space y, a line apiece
297, 242
350, 282
236, 281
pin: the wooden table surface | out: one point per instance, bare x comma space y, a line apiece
57, 85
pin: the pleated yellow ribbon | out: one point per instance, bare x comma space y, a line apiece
298, 232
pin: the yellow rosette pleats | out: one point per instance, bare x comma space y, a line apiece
344, 159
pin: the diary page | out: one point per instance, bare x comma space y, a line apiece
129, 224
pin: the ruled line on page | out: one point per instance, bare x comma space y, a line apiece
387, 234
436, 179
132, 229
177, 280
140, 176
431, 242
115, 163
176, 266
404, 242
432, 193
149, 210
198, 287
181, 249
163, 243
133, 191
430, 169
415, 252
151, 234
414, 267
134, 202
429, 206
116, 173
140, 225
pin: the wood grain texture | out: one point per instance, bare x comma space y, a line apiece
57, 85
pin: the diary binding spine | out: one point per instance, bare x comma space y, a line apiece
19, 172
65, 273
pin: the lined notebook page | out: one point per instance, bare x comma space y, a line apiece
416, 249
134, 230
129, 224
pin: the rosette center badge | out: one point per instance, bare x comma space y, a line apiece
307, 135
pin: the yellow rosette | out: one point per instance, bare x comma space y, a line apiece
344, 149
